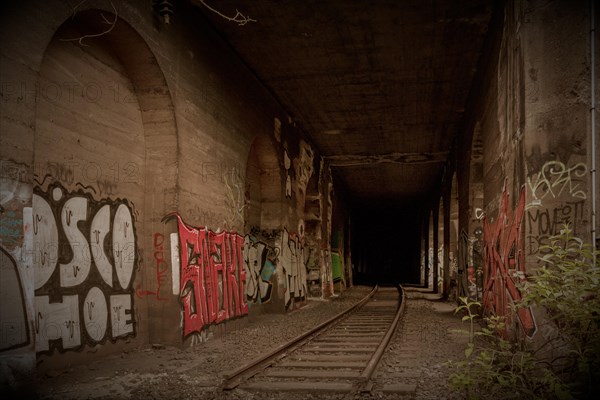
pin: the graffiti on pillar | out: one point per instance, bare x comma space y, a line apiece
504, 263
544, 222
294, 267
470, 260
161, 267
84, 259
556, 180
557, 198
440, 267
313, 269
212, 278
431, 266
15, 192
260, 267
235, 199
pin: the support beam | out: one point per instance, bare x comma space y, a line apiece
351, 160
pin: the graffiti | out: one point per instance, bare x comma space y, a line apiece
212, 276
556, 179
313, 270
304, 165
14, 331
470, 263
84, 258
544, 223
106, 187
162, 268
234, 198
431, 266
259, 269
479, 214
15, 192
440, 267
12, 224
294, 267
504, 263
161, 265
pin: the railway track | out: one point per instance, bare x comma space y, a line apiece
339, 355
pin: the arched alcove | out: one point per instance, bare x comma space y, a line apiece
105, 173
264, 195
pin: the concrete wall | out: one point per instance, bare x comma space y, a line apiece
151, 189
530, 109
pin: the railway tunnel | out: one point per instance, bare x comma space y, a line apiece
172, 170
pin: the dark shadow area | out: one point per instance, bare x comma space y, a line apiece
385, 243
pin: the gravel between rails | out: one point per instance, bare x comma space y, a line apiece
422, 344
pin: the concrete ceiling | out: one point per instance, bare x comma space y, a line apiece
379, 86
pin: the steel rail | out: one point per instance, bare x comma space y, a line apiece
234, 378
365, 376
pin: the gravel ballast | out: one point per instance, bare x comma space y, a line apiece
412, 367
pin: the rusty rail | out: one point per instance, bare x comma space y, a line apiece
234, 378
367, 373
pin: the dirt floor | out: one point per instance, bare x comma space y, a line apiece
414, 362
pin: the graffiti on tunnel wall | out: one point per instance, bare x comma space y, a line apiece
555, 180
213, 277
294, 267
289, 252
504, 262
557, 198
223, 274
260, 266
84, 259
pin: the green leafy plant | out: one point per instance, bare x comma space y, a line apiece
567, 286
567, 366
496, 368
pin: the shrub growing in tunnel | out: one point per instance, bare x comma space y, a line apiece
567, 365
567, 286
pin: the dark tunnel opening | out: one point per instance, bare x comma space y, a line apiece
386, 244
